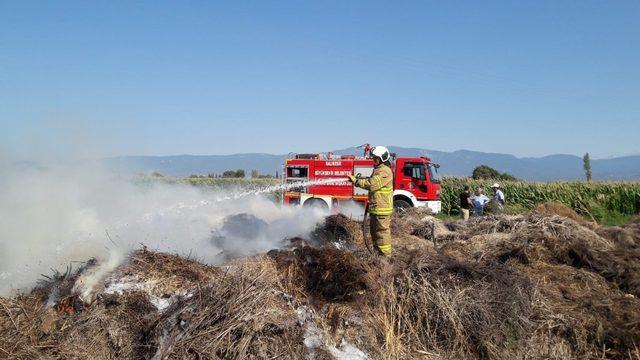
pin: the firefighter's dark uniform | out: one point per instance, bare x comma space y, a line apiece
380, 186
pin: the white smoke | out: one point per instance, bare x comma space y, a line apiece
50, 217
352, 209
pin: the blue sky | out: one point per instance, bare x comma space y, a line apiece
203, 77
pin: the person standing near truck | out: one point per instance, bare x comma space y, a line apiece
498, 197
479, 200
465, 203
380, 187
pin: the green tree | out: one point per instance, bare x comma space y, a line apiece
254, 174
484, 172
233, 173
508, 177
586, 164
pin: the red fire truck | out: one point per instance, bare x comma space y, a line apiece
415, 180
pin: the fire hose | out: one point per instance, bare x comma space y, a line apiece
364, 225
364, 230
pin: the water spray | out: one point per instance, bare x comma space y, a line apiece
284, 186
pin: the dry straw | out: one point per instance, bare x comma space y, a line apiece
546, 285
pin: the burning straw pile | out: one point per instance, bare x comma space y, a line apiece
543, 285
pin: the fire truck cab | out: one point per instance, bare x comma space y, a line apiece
324, 183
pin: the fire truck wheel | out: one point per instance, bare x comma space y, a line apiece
316, 203
401, 205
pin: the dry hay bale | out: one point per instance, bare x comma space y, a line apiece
329, 274
330, 288
411, 229
404, 222
556, 208
430, 228
633, 226
620, 236
243, 315
482, 225
458, 249
454, 309
560, 240
290, 272
413, 213
493, 223
408, 242
478, 246
580, 315
408, 230
57, 323
501, 247
115, 328
102, 330
24, 325
465, 239
534, 241
127, 325
339, 229
164, 274
403, 257
503, 287
622, 267
560, 231
489, 309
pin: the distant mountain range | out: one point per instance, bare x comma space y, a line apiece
456, 163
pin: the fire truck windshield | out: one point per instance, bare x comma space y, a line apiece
433, 173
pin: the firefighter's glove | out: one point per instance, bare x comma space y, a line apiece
352, 178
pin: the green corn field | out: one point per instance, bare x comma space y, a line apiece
619, 197
583, 197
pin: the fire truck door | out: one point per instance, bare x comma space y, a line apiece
418, 179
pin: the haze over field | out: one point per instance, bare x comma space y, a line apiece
457, 163
60, 215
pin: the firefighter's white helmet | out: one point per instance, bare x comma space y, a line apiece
381, 152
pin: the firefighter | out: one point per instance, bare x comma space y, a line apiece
380, 187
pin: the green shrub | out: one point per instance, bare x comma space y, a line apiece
484, 172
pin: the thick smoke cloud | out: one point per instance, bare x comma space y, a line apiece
52, 216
